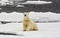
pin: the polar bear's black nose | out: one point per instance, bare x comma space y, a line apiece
25, 15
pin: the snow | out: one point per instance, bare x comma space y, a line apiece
28, 2
11, 17
46, 30
38, 2
48, 16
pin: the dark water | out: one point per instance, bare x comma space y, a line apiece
3, 33
53, 7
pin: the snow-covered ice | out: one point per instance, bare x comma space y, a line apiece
48, 16
46, 30
38, 2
